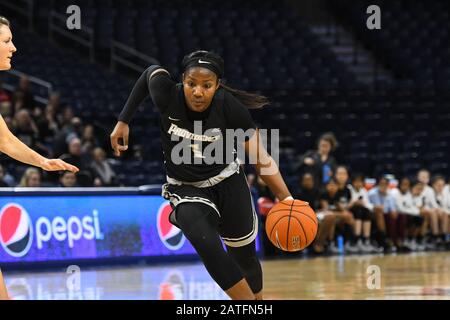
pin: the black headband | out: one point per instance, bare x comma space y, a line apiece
204, 59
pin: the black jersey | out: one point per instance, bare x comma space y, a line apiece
195, 144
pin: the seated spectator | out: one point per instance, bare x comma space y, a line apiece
102, 169
342, 177
426, 214
443, 202
65, 117
88, 141
24, 94
430, 203
307, 192
331, 212
47, 124
383, 207
361, 209
26, 131
68, 179
8, 178
407, 204
320, 163
75, 157
68, 132
31, 178
3, 184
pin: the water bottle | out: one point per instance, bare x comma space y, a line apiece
340, 244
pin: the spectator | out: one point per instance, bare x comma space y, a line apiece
361, 209
331, 213
443, 202
320, 163
74, 157
102, 169
47, 124
68, 179
384, 206
3, 184
65, 118
307, 191
89, 141
26, 131
412, 203
23, 93
31, 178
430, 201
66, 134
344, 194
421, 225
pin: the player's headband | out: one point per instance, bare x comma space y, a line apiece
204, 59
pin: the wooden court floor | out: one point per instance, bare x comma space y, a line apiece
398, 277
411, 276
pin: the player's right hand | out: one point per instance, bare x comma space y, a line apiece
121, 131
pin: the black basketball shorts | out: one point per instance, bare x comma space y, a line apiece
230, 199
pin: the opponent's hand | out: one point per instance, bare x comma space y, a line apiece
57, 165
121, 130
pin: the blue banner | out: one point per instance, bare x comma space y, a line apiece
48, 228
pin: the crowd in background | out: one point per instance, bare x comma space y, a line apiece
394, 215
54, 131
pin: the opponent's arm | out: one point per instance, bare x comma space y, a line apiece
16, 149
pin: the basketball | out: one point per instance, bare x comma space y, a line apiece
291, 225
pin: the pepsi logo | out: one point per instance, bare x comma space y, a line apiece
16, 232
171, 236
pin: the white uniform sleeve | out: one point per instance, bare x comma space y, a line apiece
367, 203
430, 199
405, 205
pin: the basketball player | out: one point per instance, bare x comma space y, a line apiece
9, 144
211, 201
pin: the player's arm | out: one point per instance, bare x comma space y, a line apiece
266, 166
16, 149
146, 85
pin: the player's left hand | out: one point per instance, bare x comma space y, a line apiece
57, 165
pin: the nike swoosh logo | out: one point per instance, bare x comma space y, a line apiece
201, 61
173, 119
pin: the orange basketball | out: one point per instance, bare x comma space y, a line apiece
291, 225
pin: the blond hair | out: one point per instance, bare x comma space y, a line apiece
26, 176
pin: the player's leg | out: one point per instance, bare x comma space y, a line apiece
3, 291
248, 261
327, 223
401, 230
199, 224
380, 226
